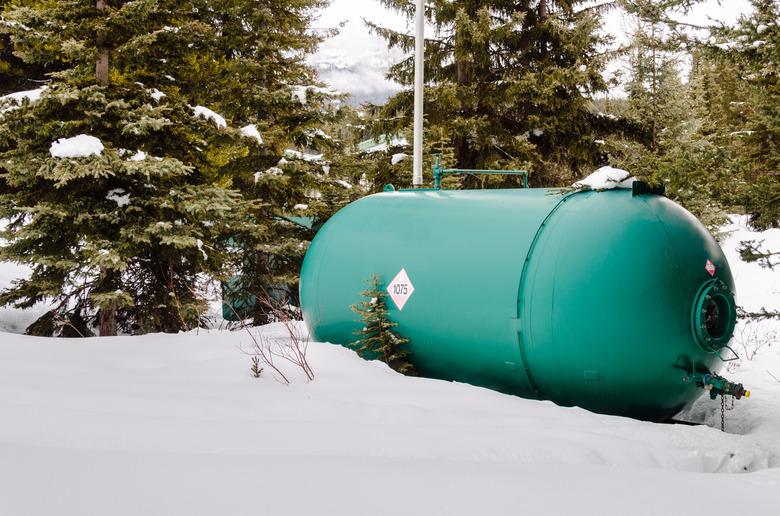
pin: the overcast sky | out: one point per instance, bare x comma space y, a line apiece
355, 47
354, 37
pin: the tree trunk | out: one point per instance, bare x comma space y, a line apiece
262, 289
464, 154
101, 66
108, 321
108, 314
654, 91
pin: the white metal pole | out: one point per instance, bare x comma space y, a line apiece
419, 81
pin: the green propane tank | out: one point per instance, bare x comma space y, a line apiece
605, 300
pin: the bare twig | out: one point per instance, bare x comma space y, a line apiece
66, 322
261, 350
295, 348
752, 337
292, 349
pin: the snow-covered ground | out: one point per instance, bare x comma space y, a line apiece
174, 425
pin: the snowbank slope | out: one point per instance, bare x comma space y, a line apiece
177, 425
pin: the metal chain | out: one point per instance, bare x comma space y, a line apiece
722, 413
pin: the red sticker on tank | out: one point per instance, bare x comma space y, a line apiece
710, 267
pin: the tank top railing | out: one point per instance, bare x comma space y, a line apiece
439, 172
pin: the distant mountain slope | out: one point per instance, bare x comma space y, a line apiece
362, 75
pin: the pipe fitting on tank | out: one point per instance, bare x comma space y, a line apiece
718, 386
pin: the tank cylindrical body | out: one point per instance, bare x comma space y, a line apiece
604, 300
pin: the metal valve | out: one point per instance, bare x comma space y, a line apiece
718, 386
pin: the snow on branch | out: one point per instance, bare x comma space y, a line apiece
250, 131
207, 114
301, 93
292, 154
14, 100
80, 146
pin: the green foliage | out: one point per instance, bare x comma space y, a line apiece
674, 153
155, 224
752, 251
377, 339
255, 59
363, 158
255, 368
137, 226
509, 84
218, 201
744, 108
657, 96
16, 74
714, 142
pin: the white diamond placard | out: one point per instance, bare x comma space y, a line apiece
400, 289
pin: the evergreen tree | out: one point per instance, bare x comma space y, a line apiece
509, 84
377, 339
751, 50
15, 74
713, 141
129, 223
700, 170
674, 153
656, 93
254, 54
657, 97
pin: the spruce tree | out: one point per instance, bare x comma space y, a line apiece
377, 339
656, 93
129, 223
673, 153
509, 84
751, 50
254, 55
15, 74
